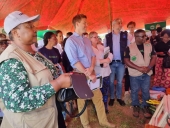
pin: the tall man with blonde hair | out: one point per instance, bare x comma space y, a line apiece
82, 58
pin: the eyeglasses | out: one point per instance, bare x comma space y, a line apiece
96, 37
144, 36
3, 43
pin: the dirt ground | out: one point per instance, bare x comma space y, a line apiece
119, 115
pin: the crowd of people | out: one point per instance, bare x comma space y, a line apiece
30, 77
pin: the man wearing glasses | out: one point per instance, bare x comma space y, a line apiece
117, 41
140, 57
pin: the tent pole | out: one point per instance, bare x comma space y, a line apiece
3, 5
80, 6
110, 15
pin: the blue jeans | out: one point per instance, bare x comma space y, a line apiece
105, 90
140, 82
117, 69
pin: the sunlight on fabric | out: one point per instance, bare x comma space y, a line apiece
167, 27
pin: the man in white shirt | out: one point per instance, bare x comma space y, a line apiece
131, 27
59, 47
59, 36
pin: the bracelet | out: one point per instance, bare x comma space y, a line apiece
149, 67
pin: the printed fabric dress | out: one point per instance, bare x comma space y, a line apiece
162, 75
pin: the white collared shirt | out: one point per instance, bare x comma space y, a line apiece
58, 46
131, 38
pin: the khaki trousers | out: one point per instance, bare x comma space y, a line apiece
99, 105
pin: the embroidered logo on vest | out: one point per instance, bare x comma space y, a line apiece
124, 35
133, 58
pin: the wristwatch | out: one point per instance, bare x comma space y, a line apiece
149, 67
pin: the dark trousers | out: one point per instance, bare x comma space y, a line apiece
61, 122
127, 80
105, 90
153, 70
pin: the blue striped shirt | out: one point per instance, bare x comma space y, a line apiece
79, 49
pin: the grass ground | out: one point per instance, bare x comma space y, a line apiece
121, 116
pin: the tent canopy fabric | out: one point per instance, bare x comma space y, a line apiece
58, 14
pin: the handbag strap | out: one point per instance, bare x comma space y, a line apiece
71, 115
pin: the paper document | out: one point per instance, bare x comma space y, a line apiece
169, 50
106, 52
97, 84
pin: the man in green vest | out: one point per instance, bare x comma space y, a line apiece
140, 57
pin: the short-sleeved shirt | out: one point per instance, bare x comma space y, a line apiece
79, 49
162, 47
141, 49
52, 54
59, 47
66, 62
131, 38
154, 40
